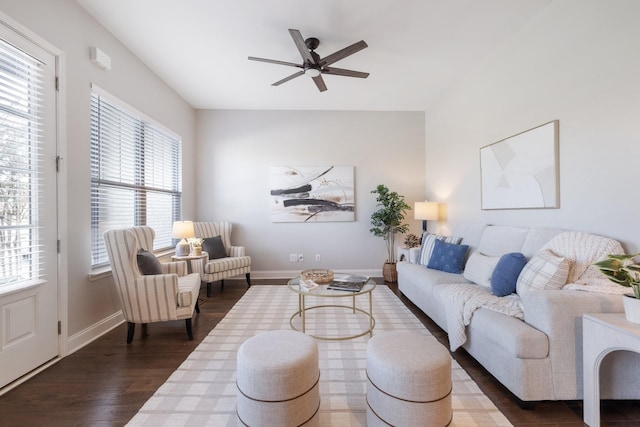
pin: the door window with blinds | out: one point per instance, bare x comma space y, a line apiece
135, 173
21, 165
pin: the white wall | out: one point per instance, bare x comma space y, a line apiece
577, 61
68, 27
237, 148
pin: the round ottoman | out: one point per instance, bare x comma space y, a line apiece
409, 381
278, 380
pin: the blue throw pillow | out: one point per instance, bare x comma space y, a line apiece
448, 257
505, 275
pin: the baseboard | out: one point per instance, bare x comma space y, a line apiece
288, 274
93, 332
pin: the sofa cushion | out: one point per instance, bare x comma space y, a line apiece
470, 233
536, 238
497, 240
514, 336
544, 271
479, 268
505, 275
428, 243
448, 257
148, 264
214, 247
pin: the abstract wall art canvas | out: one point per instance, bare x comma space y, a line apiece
312, 194
521, 172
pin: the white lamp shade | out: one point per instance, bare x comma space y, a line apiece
426, 210
183, 230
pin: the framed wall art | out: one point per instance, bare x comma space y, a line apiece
521, 172
312, 194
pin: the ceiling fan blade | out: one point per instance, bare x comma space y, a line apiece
320, 83
343, 53
273, 61
301, 45
343, 72
286, 79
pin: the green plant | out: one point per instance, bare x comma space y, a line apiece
411, 241
195, 241
622, 269
387, 220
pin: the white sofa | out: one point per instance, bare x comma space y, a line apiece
538, 357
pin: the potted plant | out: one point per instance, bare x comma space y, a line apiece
387, 222
411, 241
622, 269
196, 245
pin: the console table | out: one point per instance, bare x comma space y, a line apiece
601, 335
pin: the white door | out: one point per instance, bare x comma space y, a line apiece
28, 212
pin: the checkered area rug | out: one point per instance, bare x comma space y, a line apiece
202, 391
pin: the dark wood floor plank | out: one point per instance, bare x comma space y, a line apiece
108, 381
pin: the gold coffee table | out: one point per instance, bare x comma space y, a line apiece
323, 292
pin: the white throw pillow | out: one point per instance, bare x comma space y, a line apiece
429, 241
480, 268
545, 271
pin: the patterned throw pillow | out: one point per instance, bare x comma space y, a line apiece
505, 275
448, 257
148, 264
479, 268
545, 271
428, 242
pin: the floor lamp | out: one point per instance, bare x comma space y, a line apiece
426, 211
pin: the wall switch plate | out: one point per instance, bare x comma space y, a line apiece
317, 257
300, 258
293, 257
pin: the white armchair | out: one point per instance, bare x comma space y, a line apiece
234, 264
172, 295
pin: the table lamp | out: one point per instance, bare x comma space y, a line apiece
426, 211
183, 230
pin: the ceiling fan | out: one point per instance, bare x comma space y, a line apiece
315, 66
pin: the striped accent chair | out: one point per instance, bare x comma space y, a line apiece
172, 295
234, 264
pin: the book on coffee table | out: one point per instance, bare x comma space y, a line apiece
351, 283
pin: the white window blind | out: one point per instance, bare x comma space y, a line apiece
136, 174
21, 139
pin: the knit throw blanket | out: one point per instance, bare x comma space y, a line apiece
462, 300
581, 249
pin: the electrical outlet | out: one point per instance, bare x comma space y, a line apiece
293, 257
317, 257
300, 258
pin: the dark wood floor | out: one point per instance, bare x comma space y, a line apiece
108, 381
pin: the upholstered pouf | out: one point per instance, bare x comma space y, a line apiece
409, 381
278, 380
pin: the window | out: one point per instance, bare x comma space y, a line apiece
21, 165
135, 174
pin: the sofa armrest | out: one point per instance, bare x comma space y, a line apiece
175, 267
235, 251
559, 315
414, 255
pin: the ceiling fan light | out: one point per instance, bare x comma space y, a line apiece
312, 72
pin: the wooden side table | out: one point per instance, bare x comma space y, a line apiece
601, 334
190, 258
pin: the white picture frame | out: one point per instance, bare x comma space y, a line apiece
521, 171
312, 193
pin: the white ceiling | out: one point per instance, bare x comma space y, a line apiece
417, 48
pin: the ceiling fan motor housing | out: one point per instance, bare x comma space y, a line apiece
312, 43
